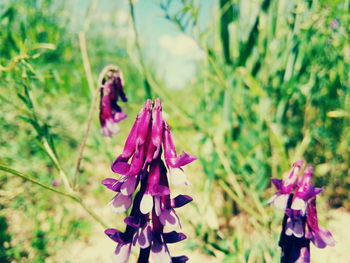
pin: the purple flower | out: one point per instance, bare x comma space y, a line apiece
300, 224
110, 111
286, 186
142, 167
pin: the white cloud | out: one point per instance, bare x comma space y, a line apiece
181, 45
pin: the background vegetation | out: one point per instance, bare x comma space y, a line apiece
272, 86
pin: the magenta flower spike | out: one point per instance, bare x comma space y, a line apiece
300, 224
110, 112
141, 166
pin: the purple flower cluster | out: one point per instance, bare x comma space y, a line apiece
141, 165
110, 111
297, 197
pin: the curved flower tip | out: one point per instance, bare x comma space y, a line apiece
145, 237
160, 252
169, 219
110, 112
173, 237
121, 253
180, 201
112, 184
114, 234
120, 203
322, 238
304, 256
180, 259
289, 181
109, 128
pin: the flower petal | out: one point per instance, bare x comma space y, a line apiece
180, 201
145, 237
173, 237
160, 253
180, 259
169, 218
120, 203
146, 204
112, 184
128, 187
121, 253
178, 177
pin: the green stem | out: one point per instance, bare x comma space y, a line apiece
86, 61
53, 157
147, 85
240, 202
74, 197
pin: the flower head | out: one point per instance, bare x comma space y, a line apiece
110, 112
141, 165
300, 224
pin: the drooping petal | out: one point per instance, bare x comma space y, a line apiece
277, 183
173, 237
145, 237
133, 221
114, 234
183, 160
178, 177
169, 219
160, 253
180, 201
180, 259
120, 203
112, 184
321, 238
146, 204
128, 187
121, 253
119, 116
304, 256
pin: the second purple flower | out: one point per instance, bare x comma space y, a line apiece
110, 112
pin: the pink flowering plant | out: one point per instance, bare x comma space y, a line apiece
296, 195
148, 162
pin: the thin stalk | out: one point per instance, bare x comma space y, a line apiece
103, 73
53, 157
86, 61
72, 196
241, 203
85, 136
147, 85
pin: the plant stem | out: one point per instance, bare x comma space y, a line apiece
72, 196
86, 61
147, 85
85, 136
103, 73
53, 157
241, 203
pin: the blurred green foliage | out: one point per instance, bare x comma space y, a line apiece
272, 86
